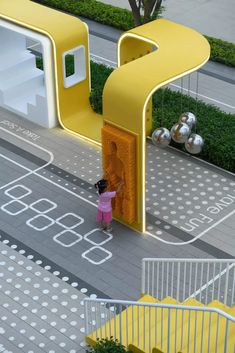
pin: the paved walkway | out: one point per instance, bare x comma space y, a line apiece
51, 253
215, 18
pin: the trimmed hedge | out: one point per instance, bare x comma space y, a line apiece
221, 51
94, 10
216, 127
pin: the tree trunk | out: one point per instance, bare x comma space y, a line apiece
136, 12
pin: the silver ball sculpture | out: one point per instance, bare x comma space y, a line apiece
161, 137
188, 118
180, 132
194, 144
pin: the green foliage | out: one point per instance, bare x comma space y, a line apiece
95, 10
216, 127
108, 346
221, 51
39, 63
99, 75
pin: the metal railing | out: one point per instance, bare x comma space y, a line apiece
169, 328
202, 279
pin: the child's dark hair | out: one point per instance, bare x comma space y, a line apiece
101, 185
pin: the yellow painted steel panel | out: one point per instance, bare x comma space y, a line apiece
65, 32
128, 90
180, 51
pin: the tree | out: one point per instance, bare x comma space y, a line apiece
151, 9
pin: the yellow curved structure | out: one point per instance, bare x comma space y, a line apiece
149, 57
65, 32
144, 69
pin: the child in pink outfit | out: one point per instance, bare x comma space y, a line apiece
104, 212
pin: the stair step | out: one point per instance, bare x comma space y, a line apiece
39, 112
21, 102
151, 335
10, 63
176, 317
11, 41
218, 305
205, 339
22, 77
125, 321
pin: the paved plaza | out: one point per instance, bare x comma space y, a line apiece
53, 255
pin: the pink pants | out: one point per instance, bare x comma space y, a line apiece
104, 216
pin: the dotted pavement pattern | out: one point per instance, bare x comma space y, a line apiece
39, 311
48, 207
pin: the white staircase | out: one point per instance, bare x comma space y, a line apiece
22, 88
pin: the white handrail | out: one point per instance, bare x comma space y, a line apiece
162, 305
158, 325
203, 279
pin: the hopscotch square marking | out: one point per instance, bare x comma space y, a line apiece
69, 217
93, 249
76, 236
14, 204
18, 189
97, 232
40, 218
40, 206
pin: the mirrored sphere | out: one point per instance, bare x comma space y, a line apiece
188, 118
194, 144
161, 137
180, 132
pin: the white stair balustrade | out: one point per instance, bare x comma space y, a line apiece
202, 279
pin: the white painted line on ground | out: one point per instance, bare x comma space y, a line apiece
219, 275
30, 170
215, 224
67, 190
114, 65
194, 238
16, 163
45, 165
95, 205
19, 165
201, 95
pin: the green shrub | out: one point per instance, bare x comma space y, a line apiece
221, 51
39, 63
99, 75
95, 10
108, 346
216, 127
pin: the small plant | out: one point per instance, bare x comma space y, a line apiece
108, 345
